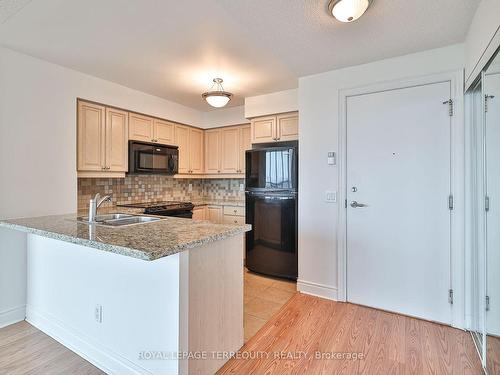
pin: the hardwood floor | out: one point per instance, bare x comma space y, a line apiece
389, 343
493, 355
26, 350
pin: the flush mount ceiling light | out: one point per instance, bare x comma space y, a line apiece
348, 10
217, 98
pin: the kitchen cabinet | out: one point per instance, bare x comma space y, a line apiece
212, 151
225, 149
245, 144
102, 135
196, 150
149, 129
200, 213
140, 128
283, 127
233, 215
116, 140
230, 148
163, 132
190, 142
214, 214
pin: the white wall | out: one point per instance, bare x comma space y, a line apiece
268, 104
38, 147
483, 38
318, 134
224, 117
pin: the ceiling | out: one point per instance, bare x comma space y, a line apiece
173, 49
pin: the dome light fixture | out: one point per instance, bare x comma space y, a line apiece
348, 10
217, 98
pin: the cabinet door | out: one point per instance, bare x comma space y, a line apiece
214, 214
230, 150
245, 144
288, 127
212, 151
182, 140
196, 150
163, 132
264, 129
199, 213
116, 140
140, 128
91, 135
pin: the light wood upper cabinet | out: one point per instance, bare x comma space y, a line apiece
196, 150
245, 144
140, 128
212, 151
102, 139
182, 140
287, 127
230, 150
225, 149
190, 142
283, 127
163, 132
264, 129
91, 135
116, 144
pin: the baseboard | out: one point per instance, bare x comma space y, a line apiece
12, 315
87, 348
318, 290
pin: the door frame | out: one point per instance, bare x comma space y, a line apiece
457, 182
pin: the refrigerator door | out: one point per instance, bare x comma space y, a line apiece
271, 169
271, 245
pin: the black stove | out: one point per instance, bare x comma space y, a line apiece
168, 208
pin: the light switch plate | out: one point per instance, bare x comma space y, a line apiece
331, 160
331, 196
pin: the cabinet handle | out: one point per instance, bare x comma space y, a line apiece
103, 168
218, 171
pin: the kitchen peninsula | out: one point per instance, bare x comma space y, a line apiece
137, 299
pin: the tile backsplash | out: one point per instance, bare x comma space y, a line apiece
144, 188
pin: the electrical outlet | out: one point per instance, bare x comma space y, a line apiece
331, 196
242, 187
190, 187
98, 313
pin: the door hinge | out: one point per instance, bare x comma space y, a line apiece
450, 296
487, 303
450, 202
345, 203
486, 203
450, 106
486, 97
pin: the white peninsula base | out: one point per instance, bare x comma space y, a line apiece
127, 315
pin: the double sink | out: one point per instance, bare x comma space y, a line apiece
119, 220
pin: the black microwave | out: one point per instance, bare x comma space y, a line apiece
151, 158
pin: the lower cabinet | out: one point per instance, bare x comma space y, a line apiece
200, 213
220, 214
214, 214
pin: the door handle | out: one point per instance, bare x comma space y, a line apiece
355, 204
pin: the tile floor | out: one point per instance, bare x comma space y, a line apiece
264, 296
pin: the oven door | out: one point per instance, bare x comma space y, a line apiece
154, 159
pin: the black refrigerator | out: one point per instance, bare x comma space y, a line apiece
271, 208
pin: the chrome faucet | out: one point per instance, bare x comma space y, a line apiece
95, 203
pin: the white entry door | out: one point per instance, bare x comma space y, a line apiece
398, 166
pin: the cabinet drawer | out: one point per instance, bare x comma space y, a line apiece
234, 211
229, 219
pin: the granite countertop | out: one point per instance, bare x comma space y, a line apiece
147, 241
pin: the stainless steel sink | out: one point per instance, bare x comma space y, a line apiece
119, 219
